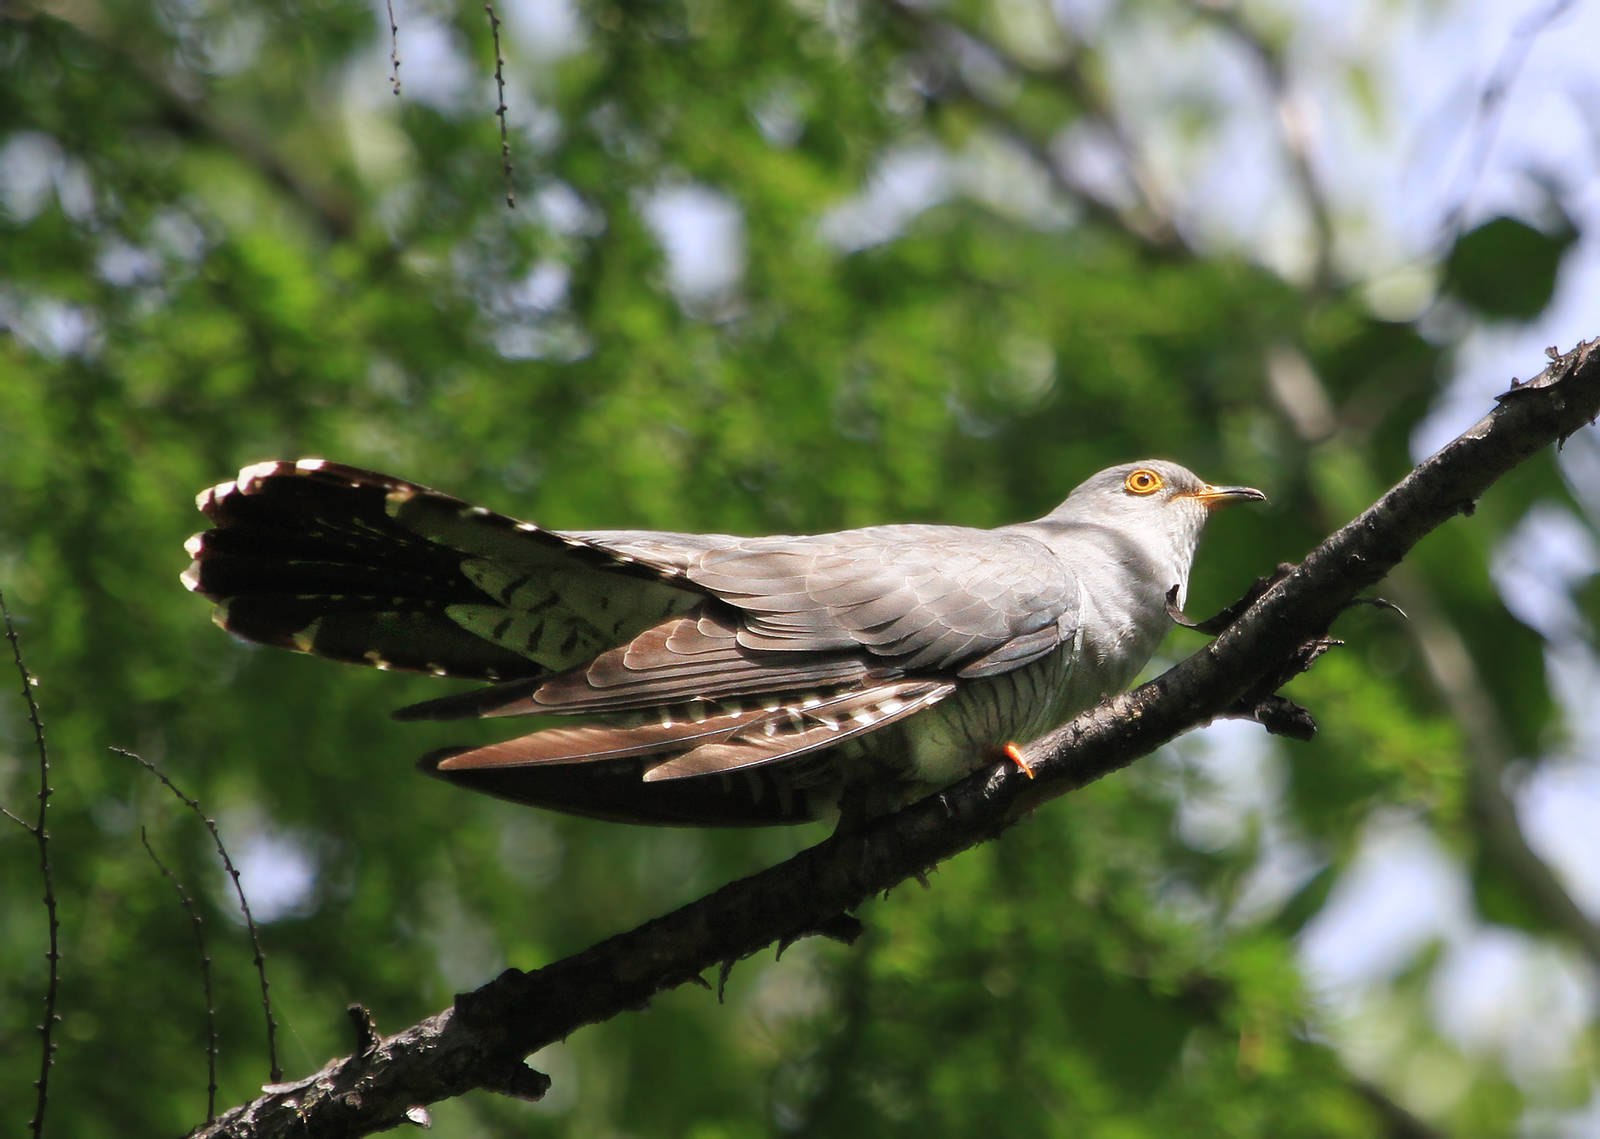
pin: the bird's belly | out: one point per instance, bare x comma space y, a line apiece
964, 732
883, 770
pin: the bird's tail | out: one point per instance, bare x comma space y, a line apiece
357, 566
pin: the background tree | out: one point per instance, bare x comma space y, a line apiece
789, 268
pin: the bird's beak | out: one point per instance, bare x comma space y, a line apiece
1214, 497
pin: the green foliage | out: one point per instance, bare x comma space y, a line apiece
1476, 270
221, 240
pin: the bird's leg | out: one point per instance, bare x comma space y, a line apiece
1014, 753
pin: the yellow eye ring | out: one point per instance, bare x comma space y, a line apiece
1143, 481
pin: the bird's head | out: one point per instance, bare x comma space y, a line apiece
1157, 508
1154, 493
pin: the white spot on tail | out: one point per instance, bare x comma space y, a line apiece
207, 499
310, 465
398, 497
252, 476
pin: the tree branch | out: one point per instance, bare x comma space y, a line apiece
481, 1042
1487, 751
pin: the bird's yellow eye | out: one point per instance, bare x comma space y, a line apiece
1143, 481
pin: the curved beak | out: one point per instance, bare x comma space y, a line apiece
1214, 497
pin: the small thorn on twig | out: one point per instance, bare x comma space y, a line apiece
520, 1082
1378, 603
1281, 716
367, 1036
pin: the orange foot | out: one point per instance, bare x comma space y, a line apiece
1014, 754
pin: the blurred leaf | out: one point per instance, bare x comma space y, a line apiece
1506, 268
1305, 903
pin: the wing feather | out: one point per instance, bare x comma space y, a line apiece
916, 598
790, 733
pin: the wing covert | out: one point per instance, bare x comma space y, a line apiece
939, 599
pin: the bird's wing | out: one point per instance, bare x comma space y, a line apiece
803, 615
725, 737
944, 600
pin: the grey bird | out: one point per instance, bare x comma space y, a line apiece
720, 680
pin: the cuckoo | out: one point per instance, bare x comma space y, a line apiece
707, 679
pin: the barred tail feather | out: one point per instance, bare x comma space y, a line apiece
362, 567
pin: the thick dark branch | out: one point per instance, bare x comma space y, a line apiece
482, 1041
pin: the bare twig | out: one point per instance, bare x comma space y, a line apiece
394, 47
205, 973
481, 1042
500, 108
244, 903
41, 836
1491, 109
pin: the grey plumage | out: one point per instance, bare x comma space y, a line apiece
722, 680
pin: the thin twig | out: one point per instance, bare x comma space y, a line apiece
1491, 109
41, 835
244, 904
205, 973
500, 109
394, 48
